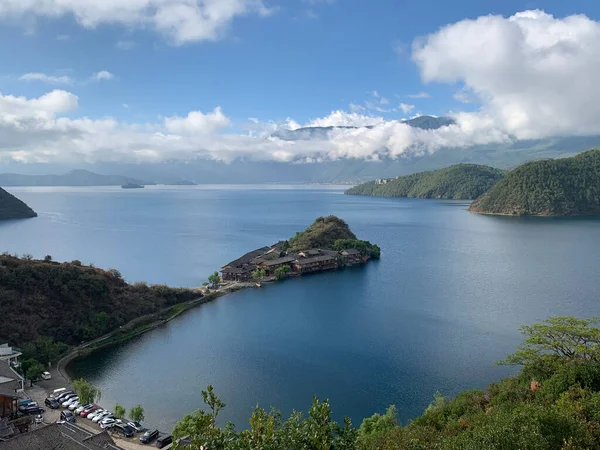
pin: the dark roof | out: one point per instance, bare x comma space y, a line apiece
351, 251
245, 259
60, 437
277, 261
322, 258
235, 270
7, 372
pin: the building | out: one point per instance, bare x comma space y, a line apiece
316, 263
352, 256
11, 384
272, 265
63, 436
9, 354
242, 274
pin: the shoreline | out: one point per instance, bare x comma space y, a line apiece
137, 327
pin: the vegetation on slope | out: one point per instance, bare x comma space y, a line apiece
331, 233
560, 187
553, 403
69, 303
459, 182
13, 208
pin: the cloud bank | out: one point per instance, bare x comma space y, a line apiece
532, 75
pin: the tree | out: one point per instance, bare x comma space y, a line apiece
119, 411
136, 413
87, 393
557, 340
34, 371
281, 272
258, 275
214, 279
48, 258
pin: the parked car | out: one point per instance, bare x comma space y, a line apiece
51, 403
136, 426
81, 408
34, 410
27, 404
91, 410
62, 397
73, 406
149, 436
93, 414
99, 417
57, 392
123, 429
46, 376
68, 402
107, 422
67, 416
164, 440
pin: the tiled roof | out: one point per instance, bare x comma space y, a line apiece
277, 261
322, 258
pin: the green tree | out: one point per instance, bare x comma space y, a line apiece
48, 258
214, 279
377, 426
119, 411
258, 275
136, 413
281, 272
34, 371
87, 393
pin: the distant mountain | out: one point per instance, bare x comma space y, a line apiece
72, 178
321, 133
559, 187
13, 208
181, 183
459, 182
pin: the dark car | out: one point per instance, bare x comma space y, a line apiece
125, 430
149, 436
67, 416
51, 403
34, 410
164, 440
62, 397
136, 426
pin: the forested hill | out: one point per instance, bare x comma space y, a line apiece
559, 187
13, 208
70, 302
458, 182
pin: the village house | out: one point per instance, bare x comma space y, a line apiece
316, 263
272, 265
11, 382
352, 256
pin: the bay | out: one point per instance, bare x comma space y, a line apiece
443, 303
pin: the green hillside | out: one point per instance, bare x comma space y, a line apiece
13, 208
70, 302
559, 187
459, 182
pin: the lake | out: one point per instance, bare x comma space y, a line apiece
443, 303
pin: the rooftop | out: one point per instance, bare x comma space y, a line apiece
322, 258
277, 261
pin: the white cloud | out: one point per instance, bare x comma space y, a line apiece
197, 122
533, 74
419, 95
126, 45
49, 79
406, 108
342, 118
181, 21
102, 75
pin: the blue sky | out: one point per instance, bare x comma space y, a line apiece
274, 59
304, 60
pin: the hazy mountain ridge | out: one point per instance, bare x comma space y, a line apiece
73, 178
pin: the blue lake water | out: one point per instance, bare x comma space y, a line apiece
443, 303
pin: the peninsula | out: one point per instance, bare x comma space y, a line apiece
458, 182
13, 208
554, 187
327, 244
132, 186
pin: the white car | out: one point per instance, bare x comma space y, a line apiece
104, 415
46, 376
81, 408
95, 413
73, 406
66, 403
107, 423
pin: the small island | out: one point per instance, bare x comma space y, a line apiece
554, 187
458, 182
132, 186
181, 183
13, 208
326, 245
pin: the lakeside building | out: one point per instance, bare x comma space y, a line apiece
272, 258
11, 382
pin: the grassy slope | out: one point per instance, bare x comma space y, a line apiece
322, 234
72, 303
460, 182
13, 208
563, 187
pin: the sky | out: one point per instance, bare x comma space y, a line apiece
156, 80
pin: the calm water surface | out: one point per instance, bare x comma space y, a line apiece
444, 302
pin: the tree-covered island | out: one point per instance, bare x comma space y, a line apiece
327, 244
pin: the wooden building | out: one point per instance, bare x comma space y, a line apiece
316, 263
